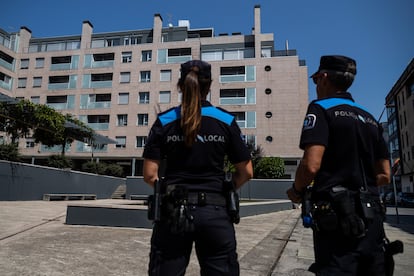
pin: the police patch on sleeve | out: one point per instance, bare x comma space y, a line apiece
309, 122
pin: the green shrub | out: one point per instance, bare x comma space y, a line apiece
103, 168
114, 170
9, 152
269, 168
59, 161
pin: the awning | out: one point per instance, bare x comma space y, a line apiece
7, 99
97, 138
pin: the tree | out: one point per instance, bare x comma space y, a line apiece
46, 125
16, 119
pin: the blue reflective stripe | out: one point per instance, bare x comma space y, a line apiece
170, 116
332, 102
209, 111
218, 114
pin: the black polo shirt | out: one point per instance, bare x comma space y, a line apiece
201, 165
352, 138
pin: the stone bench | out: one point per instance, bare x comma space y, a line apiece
140, 197
50, 197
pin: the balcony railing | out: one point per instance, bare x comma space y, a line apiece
6, 85
232, 78
59, 106
99, 126
6, 65
178, 59
96, 105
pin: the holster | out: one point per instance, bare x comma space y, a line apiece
232, 199
390, 249
175, 211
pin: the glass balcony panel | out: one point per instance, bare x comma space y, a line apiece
58, 106
100, 64
234, 100
60, 66
96, 105
99, 126
6, 65
100, 84
178, 59
5, 85
232, 78
58, 86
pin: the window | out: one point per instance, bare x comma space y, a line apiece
40, 62
143, 97
120, 142
142, 119
140, 141
30, 143
165, 97
238, 96
122, 120
92, 101
35, 99
237, 74
126, 57
146, 56
61, 60
22, 83
165, 75
37, 81
24, 64
249, 140
145, 76
123, 98
125, 77
245, 119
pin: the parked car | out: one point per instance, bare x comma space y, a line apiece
389, 198
407, 199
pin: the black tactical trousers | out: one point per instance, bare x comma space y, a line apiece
215, 245
338, 255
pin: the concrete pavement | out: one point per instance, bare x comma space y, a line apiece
34, 240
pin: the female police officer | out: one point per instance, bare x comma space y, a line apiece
194, 139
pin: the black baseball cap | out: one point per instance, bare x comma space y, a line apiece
337, 63
204, 68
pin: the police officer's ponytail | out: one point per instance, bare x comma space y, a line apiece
194, 84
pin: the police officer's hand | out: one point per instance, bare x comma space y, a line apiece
294, 195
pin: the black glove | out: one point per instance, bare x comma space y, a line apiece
352, 226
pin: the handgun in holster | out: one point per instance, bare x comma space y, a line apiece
233, 201
155, 201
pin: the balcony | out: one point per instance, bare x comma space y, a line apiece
99, 60
62, 82
61, 102
237, 74
97, 81
8, 64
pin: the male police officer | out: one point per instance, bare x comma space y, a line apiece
346, 159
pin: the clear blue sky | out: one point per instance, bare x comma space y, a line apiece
377, 33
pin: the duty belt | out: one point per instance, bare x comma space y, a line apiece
204, 198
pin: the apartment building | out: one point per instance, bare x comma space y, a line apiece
117, 82
400, 112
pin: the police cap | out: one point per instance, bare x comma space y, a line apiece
204, 68
337, 63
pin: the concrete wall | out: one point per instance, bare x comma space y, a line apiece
29, 182
254, 189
